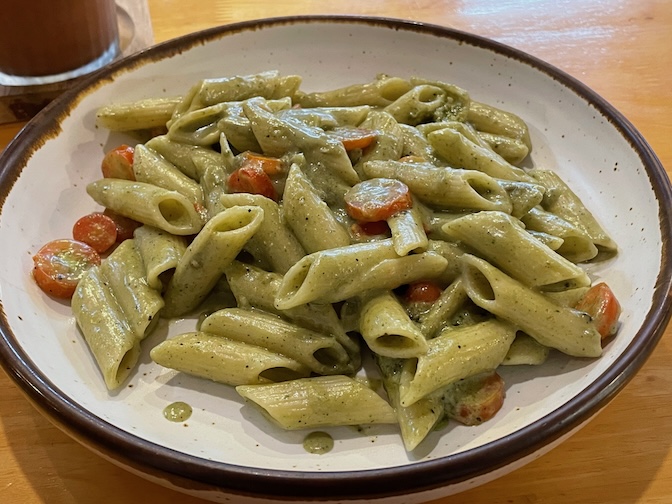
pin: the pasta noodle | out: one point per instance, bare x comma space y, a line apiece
463, 263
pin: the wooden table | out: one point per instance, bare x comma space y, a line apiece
620, 48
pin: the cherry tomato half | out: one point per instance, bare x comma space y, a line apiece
60, 264
125, 225
118, 163
252, 179
422, 292
354, 138
377, 199
97, 230
601, 304
269, 165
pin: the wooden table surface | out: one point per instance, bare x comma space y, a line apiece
620, 48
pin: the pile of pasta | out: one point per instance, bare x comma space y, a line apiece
290, 294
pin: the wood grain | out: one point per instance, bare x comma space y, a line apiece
620, 48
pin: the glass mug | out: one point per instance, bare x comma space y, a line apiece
45, 41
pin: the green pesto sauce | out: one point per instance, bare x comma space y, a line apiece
177, 412
318, 443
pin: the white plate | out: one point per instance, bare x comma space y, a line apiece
225, 448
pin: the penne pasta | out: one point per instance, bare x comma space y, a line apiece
334, 275
160, 253
270, 85
380, 92
277, 136
309, 217
318, 402
553, 325
461, 152
525, 350
419, 419
443, 187
563, 202
105, 328
455, 354
208, 255
387, 227
125, 275
322, 353
138, 115
225, 360
488, 119
273, 245
151, 168
408, 231
148, 204
388, 330
190, 159
575, 244
501, 239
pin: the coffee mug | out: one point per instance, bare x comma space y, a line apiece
46, 41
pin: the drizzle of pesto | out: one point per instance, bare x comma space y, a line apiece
318, 443
177, 412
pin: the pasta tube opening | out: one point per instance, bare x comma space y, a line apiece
330, 356
478, 283
280, 374
398, 342
173, 212
125, 366
388, 330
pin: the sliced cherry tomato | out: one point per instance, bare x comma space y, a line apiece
354, 138
125, 225
269, 165
374, 228
476, 399
97, 230
60, 264
377, 199
363, 230
601, 304
252, 179
118, 163
422, 292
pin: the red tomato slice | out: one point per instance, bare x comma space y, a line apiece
97, 230
374, 228
601, 304
125, 225
477, 399
377, 199
252, 179
422, 292
118, 163
269, 165
60, 264
354, 138
363, 230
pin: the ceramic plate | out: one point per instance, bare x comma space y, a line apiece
225, 448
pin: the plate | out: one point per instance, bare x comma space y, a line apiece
225, 449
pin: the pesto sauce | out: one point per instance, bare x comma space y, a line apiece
177, 412
318, 443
